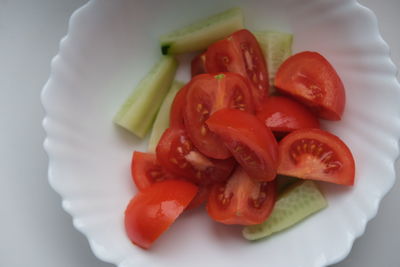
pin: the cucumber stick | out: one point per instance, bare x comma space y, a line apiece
162, 120
200, 34
277, 47
140, 108
296, 203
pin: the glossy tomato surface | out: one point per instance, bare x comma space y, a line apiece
177, 154
177, 108
241, 200
153, 210
241, 53
317, 155
310, 78
251, 143
283, 115
206, 94
146, 170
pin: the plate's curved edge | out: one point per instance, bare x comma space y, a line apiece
99, 250
385, 191
96, 248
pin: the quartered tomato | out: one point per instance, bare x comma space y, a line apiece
317, 155
310, 78
200, 198
176, 114
241, 200
198, 64
241, 53
206, 94
283, 115
251, 143
177, 154
146, 170
154, 209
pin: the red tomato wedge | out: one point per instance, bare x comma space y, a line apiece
310, 78
316, 155
176, 153
251, 143
283, 115
176, 114
154, 209
146, 170
198, 65
241, 200
200, 198
206, 94
241, 53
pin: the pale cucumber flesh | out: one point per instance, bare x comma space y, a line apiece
161, 122
199, 35
277, 47
296, 203
139, 110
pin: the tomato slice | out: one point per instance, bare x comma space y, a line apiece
241, 200
241, 53
283, 115
153, 210
206, 94
146, 170
317, 155
252, 144
198, 64
176, 153
176, 114
310, 78
200, 198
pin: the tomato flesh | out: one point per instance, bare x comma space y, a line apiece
283, 115
250, 142
240, 53
241, 200
198, 65
317, 155
146, 170
310, 78
153, 210
176, 114
206, 94
177, 154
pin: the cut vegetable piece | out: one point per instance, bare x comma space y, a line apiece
277, 47
138, 111
199, 35
283, 181
162, 120
293, 205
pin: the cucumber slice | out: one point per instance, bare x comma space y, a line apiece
295, 204
200, 34
162, 120
139, 109
277, 47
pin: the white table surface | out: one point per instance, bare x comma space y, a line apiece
34, 230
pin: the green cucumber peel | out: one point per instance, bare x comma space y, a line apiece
161, 122
138, 111
202, 33
296, 203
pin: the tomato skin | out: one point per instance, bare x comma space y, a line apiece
240, 53
200, 198
283, 115
316, 155
176, 114
206, 94
251, 143
146, 170
153, 210
241, 200
198, 65
177, 154
311, 79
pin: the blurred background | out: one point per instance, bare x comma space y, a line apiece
34, 230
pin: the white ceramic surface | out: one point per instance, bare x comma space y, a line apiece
110, 46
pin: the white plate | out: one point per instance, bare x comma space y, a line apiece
111, 45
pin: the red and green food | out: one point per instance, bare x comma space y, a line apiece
241, 139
